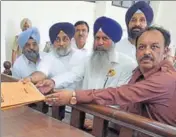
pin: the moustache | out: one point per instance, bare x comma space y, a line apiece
146, 57
134, 32
60, 47
136, 28
31, 54
81, 36
31, 51
99, 48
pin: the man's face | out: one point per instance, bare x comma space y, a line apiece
62, 44
26, 26
81, 34
102, 42
150, 49
103, 50
31, 50
136, 25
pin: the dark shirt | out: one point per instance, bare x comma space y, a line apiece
156, 90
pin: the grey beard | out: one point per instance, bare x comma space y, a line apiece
31, 55
62, 51
100, 62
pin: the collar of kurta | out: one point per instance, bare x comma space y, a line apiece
76, 47
163, 66
114, 58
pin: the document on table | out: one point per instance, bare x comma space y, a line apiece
14, 94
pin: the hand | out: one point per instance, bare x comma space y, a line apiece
88, 124
26, 80
170, 57
60, 98
45, 86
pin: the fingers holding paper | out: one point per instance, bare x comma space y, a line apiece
26, 80
45, 86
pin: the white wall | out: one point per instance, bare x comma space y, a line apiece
166, 18
44, 13
118, 14
3, 50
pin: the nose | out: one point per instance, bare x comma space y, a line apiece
138, 23
147, 51
31, 46
81, 32
61, 43
100, 42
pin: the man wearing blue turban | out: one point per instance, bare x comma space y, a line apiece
62, 57
105, 67
137, 18
28, 42
16, 51
95, 69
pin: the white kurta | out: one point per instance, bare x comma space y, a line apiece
87, 48
124, 46
53, 65
23, 67
122, 64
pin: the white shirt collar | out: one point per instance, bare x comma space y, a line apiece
114, 58
73, 44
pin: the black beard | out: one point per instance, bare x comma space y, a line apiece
133, 34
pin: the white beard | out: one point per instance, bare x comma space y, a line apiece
100, 62
62, 51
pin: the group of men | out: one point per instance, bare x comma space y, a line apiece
136, 74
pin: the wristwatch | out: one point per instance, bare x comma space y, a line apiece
73, 100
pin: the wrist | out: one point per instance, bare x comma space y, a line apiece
53, 82
170, 58
31, 80
73, 99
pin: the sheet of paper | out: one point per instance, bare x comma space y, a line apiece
15, 94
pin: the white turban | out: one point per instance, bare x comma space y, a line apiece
25, 20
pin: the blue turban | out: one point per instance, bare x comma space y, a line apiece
66, 27
144, 7
110, 27
25, 35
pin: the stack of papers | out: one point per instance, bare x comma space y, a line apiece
15, 94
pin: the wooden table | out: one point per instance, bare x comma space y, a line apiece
26, 122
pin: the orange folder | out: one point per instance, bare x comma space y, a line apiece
15, 94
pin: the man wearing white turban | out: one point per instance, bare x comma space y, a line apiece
16, 51
25, 64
